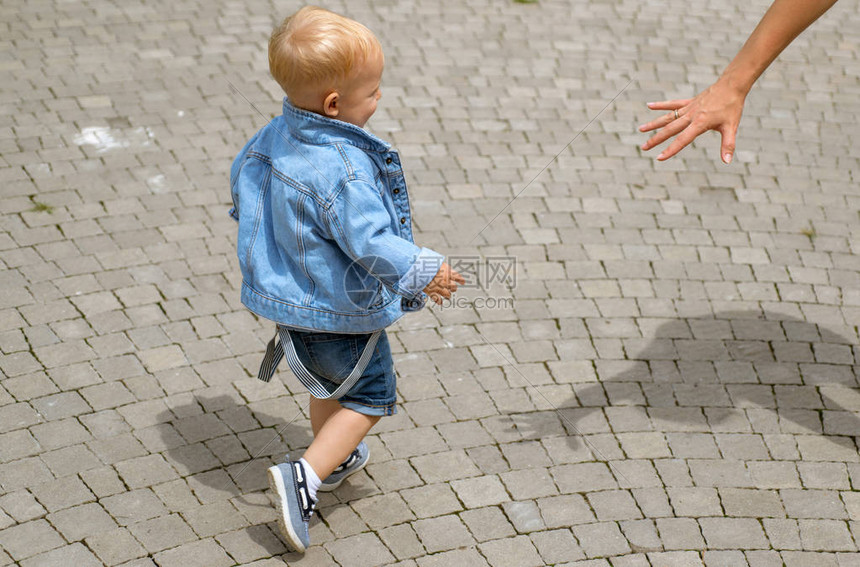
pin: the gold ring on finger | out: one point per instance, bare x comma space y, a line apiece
676, 114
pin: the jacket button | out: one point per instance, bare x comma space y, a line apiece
396, 191
388, 160
402, 220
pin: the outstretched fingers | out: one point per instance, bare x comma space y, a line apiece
670, 104
665, 119
671, 129
689, 133
661, 122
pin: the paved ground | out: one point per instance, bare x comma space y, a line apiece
670, 379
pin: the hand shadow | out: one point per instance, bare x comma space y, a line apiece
222, 446
736, 372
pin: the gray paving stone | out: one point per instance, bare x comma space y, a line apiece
445, 466
529, 483
82, 521
680, 533
782, 533
252, 544
678, 559
480, 491
583, 477
808, 558
456, 557
115, 546
75, 554
29, 539
815, 504
21, 506
730, 533
70, 460
210, 519
719, 473
406, 444
431, 500
524, 515
641, 535
751, 503
442, 534
825, 535
487, 523
774, 474
342, 521
694, 502
557, 546
205, 551
628, 561
133, 506
402, 541
393, 475
383, 511
62, 493
602, 539
614, 505
824, 475
517, 551
162, 533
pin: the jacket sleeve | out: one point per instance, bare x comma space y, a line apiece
361, 226
235, 170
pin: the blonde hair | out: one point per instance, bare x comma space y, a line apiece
315, 48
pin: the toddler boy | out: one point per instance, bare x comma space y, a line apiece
325, 246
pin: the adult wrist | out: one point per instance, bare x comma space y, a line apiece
739, 83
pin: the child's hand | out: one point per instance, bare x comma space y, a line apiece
444, 284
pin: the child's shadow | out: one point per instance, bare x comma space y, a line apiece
222, 446
736, 372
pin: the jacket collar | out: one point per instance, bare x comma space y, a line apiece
316, 129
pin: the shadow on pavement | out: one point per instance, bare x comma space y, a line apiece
735, 372
222, 446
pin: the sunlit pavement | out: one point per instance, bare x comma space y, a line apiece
654, 364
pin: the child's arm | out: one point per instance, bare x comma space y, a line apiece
360, 224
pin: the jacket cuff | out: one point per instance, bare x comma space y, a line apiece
421, 273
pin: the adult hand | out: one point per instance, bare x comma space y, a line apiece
719, 107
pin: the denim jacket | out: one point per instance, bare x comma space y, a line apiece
325, 230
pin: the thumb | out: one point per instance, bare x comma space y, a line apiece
727, 149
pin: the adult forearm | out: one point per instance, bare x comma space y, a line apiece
784, 21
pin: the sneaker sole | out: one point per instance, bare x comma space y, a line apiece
329, 487
276, 483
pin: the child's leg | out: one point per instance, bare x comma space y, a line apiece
337, 437
321, 410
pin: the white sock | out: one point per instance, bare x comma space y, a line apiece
314, 481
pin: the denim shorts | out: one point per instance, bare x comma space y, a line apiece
332, 356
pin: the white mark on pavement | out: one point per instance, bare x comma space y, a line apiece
157, 183
106, 139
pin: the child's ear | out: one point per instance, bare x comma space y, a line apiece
330, 104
